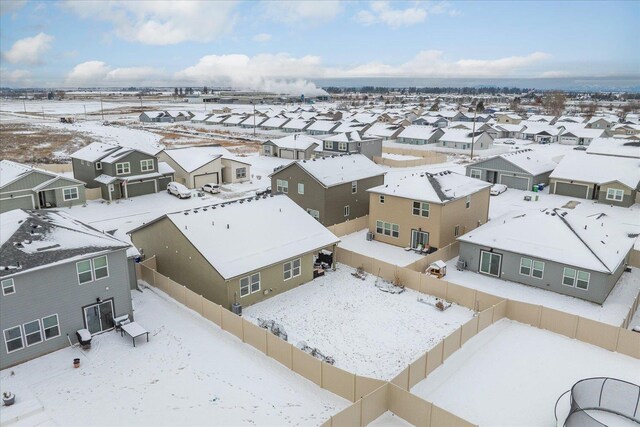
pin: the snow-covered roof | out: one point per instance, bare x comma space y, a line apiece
583, 132
534, 162
192, 158
458, 135
275, 122
94, 151
598, 169
336, 170
235, 119
417, 132
440, 187
247, 235
367, 118
347, 137
383, 130
296, 124
323, 125
250, 120
597, 242
614, 147
535, 128
11, 171
350, 127
509, 127
32, 239
296, 142
217, 118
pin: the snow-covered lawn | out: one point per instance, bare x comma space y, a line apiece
389, 419
366, 331
399, 157
189, 373
357, 242
511, 375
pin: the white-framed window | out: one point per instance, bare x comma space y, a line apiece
13, 339
388, 229
421, 209
354, 187
476, 173
525, 266
314, 213
381, 199
490, 263
8, 287
100, 267
267, 150
328, 145
282, 186
250, 284
241, 173
146, 165
456, 231
123, 168
85, 273
51, 326
538, 269
467, 203
70, 193
300, 188
569, 276
342, 146
32, 332
347, 210
582, 281
99, 166
291, 269
615, 194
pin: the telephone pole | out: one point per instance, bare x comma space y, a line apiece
473, 132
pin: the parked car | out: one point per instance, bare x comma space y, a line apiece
509, 142
497, 189
580, 147
178, 190
211, 188
264, 192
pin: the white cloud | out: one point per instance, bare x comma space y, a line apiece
29, 50
382, 12
20, 78
555, 74
161, 22
262, 38
307, 12
98, 73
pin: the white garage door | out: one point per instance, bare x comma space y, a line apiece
516, 182
286, 154
201, 180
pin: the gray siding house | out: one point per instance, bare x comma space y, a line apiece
420, 135
352, 143
57, 276
519, 169
25, 187
554, 249
121, 172
331, 189
296, 147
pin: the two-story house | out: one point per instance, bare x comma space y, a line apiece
331, 189
352, 143
423, 210
57, 276
296, 146
121, 172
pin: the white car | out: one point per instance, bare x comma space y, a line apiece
178, 190
211, 188
509, 142
497, 189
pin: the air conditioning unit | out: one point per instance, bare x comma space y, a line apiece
461, 265
370, 236
236, 308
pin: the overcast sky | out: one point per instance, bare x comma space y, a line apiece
276, 45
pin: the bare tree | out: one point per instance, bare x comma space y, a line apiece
554, 103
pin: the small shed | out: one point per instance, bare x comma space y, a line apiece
438, 269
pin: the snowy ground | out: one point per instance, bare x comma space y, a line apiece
399, 157
366, 331
357, 242
511, 375
635, 320
189, 373
389, 419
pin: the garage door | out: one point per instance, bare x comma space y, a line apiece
517, 182
201, 180
140, 188
572, 190
24, 202
286, 154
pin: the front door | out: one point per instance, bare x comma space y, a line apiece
99, 317
419, 239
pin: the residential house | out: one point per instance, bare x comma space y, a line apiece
217, 119
234, 120
580, 136
420, 135
461, 139
296, 125
243, 251
508, 118
625, 130
438, 122
518, 169
253, 121
331, 189
26, 187
553, 249
508, 131
352, 127
351, 143
614, 147
57, 276
540, 132
155, 117
384, 131
542, 118
297, 147
121, 172
274, 123
427, 211
608, 179
179, 116
322, 127
450, 115
601, 123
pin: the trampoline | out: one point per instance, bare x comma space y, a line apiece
595, 401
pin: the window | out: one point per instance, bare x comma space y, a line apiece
476, 173
421, 209
300, 188
32, 332
70, 193
387, 228
456, 231
13, 339
146, 165
347, 210
328, 145
123, 168
282, 186
8, 287
568, 276
583, 280
241, 173
354, 187
51, 326
342, 146
100, 267
250, 284
291, 269
381, 199
314, 213
490, 263
525, 266
615, 194
99, 166
84, 271
267, 150
468, 202
538, 269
